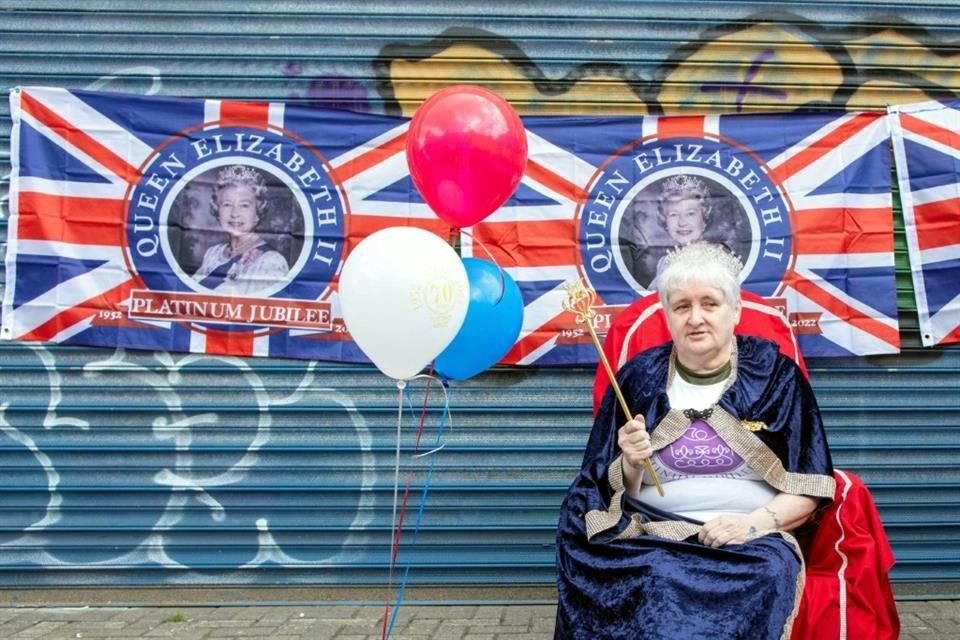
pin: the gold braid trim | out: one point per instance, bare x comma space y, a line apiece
765, 462
598, 521
671, 529
801, 582
634, 529
673, 425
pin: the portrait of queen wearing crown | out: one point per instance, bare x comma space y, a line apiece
673, 212
231, 237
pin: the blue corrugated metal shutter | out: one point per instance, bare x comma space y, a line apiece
136, 468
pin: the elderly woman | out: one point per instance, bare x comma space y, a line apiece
246, 263
734, 432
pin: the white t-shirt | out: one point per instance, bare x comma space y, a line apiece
702, 476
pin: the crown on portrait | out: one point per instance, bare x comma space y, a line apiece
240, 173
702, 253
678, 186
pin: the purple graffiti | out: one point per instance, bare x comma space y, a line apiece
329, 92
746, 87
292, 69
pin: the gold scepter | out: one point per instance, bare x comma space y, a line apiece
579, 301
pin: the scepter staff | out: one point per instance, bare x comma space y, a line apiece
579, 301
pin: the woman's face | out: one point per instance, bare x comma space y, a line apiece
237, 209
685, 220
701, 323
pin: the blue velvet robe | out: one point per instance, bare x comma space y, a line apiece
629, 570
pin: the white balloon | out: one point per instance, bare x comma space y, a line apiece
404, 294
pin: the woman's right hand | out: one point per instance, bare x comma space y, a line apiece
634, 441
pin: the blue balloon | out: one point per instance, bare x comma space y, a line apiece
494, 318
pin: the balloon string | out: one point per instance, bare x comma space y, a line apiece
423, 504
401, 385
503, 283
398, 521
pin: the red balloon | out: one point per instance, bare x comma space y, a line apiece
467, 151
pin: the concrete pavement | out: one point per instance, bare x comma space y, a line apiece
324, 622
921, 620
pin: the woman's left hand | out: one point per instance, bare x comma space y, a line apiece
728, 529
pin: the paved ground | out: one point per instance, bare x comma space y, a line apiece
922, 620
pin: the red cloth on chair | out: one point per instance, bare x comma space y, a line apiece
847, 594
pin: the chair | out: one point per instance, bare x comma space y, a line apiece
847, 591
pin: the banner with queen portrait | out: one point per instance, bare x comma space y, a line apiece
205, 226
221, 227
802, 199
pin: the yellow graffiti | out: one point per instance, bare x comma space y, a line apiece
414, 81
744, 71
876, 54
763, 66
877, 94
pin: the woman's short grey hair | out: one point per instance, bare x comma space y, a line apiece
704, 263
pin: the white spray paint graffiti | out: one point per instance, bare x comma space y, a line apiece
182, 480
52, 513
153, 73
51, 420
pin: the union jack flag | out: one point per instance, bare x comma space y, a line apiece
90, 241
926, 144
810, 195
100, 249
